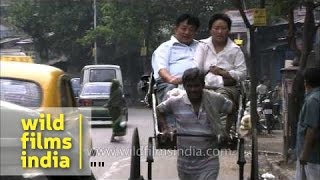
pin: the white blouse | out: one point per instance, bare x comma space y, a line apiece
231, 59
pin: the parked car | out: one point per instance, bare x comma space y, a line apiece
94, 97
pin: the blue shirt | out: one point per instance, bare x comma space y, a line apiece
173, 56
310, 118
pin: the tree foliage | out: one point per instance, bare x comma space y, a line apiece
55, 26
279, 9
67, 25
125, 26
123, 21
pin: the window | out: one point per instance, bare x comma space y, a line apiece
20, 92
102, 75
90, 89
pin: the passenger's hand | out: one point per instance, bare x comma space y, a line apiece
216, 70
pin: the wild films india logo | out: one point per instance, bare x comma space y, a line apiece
46, 143
34, 139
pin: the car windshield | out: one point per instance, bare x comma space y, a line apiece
23, 93
90, 89
102, 75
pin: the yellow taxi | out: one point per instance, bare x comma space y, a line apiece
43, 89
39, 87
35, 85
27, 59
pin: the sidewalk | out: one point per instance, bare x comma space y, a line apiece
270, 156
270, 159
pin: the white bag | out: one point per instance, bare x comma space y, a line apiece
214, 81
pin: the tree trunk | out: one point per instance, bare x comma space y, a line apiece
297, 95
42, 48
291, 36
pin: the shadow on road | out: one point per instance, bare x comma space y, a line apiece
101, 126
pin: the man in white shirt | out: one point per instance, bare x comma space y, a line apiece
173, 57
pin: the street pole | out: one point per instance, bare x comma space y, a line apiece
253, 95
95, 26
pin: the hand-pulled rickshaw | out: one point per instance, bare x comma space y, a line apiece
162, 141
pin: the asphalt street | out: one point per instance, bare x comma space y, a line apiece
116, 156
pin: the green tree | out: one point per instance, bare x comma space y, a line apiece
147, 22
54, 26
65, 26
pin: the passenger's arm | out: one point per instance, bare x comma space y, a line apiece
239, 72
200, 55
166, 77
160, 63
221, 72
228, 80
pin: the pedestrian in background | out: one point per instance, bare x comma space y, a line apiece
277, 91
262, 91
197, 112
277, 96
308, 132
115, 107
